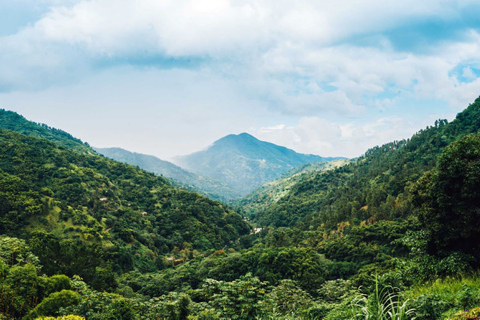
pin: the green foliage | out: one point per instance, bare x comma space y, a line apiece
98, 305
19, 290
15, 252
308, 268
172, 254
466, 314
18, 202
289, 299
51, 305
69, 317
68, 256
244, 163
449, 196
175, 306
430, 306
12, 121
48, 285
334, 291
240, 299
445, 296
353, 247
82, 211
263, 197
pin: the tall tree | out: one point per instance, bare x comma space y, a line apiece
449, 198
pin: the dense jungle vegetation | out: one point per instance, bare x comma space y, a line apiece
392, 235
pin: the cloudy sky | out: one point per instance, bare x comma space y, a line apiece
168, 77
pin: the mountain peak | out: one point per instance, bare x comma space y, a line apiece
236, 137
246, 135
243, 162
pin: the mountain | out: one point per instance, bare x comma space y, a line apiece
80, 211
207, 186
244, 163
376, 186
263, 197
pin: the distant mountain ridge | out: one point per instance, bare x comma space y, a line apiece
244, 163
214, 189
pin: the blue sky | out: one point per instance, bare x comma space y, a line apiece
169, 77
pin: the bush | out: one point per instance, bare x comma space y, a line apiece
55, 283
445, 296
69, 317
466, 315
19, 292
429, 306
239, 299
52, 304
289, 298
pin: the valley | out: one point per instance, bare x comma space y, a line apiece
85, 236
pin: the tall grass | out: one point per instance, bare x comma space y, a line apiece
445, 297
384, 304
445, 287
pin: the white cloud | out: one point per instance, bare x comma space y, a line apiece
319, 136
160, 112
175, 28
246, 38
468, 73
289, 59
212, 27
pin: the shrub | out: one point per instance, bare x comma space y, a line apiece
289, 298
466, 315
69, 317
56, 283
52, 304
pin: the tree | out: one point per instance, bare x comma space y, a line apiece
51, 305
449, 198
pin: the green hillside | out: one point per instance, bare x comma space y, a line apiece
113, 211
376, 187
245, 163
204, 185
265, 196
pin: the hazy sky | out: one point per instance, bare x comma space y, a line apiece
168, 77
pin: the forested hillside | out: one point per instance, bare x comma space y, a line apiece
268, 194
101, 211
376, 187
13, 121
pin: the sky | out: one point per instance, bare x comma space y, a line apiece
169, 77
